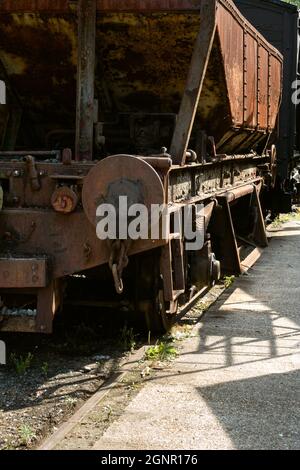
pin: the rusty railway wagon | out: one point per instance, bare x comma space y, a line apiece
169, 102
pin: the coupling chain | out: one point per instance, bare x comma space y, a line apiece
118, 261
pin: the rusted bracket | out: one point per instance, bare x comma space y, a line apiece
172, 270
85, 79
259, 232
48, 302
172, 265
32, 173
231, 258
195, 80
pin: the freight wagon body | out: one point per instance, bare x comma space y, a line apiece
279, 23
166, 102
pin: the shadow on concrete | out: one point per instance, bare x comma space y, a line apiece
258, 413
256, 322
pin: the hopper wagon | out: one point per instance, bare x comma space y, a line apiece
165, 103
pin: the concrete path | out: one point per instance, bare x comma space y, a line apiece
236, 384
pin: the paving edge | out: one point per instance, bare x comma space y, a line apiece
127, 365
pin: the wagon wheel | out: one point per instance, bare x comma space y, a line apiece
273, 165
167, 311
158, 315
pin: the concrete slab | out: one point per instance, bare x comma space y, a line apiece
236, 383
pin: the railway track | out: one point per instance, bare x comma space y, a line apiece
87, 424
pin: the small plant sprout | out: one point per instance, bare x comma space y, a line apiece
127, 338
228, 281
71, 402
27, 435
45, 369
162, 351
21, 363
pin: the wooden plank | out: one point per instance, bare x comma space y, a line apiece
195, 82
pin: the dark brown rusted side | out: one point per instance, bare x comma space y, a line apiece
102, 5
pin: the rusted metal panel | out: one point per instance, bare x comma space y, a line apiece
263, 88
23, 272
70, 242
231, 38
244, 50
279, 23
275, 89
250, 81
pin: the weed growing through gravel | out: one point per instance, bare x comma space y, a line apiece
162, 351
228, 281
71, 402
27, 435
284, 218
21, 363
127, 338
45, 369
